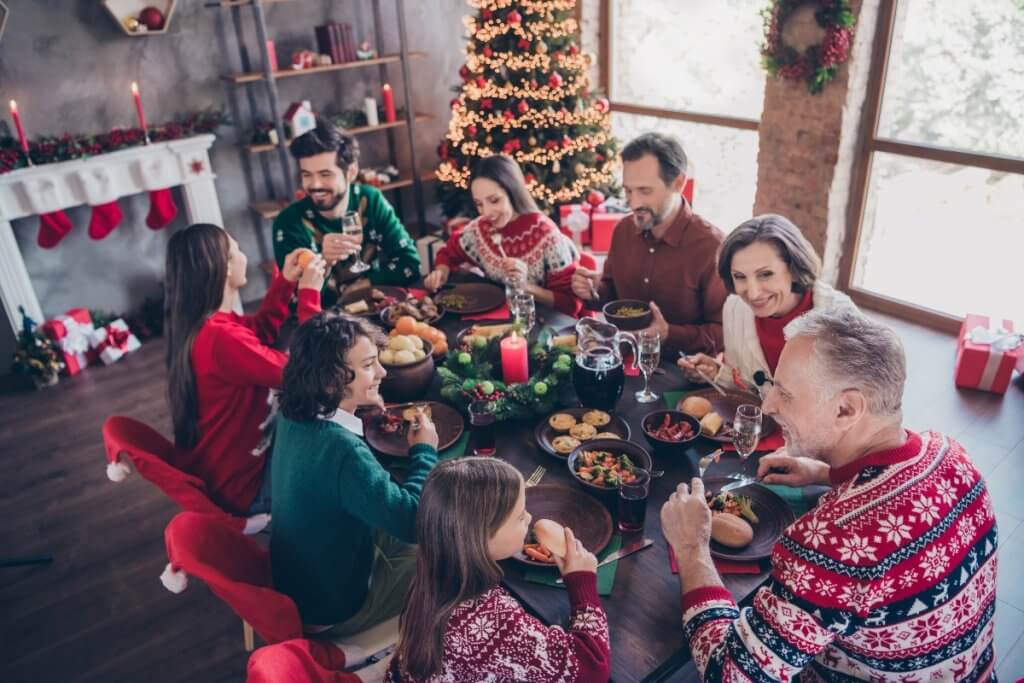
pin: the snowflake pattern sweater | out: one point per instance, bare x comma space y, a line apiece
492, 639
550, 256
892, 577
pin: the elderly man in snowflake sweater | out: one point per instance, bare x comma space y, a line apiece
892, 577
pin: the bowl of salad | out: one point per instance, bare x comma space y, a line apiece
601, 465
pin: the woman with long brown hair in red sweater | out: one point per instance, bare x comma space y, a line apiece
222, 365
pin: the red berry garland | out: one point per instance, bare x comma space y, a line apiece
819, 63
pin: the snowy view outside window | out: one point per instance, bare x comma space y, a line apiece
697, 56
943, 236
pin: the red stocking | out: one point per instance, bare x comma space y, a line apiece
105, 217
52, 229
162, 208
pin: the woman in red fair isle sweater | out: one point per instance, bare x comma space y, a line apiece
458, 623
221, 366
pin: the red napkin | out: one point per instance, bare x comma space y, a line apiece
500, 313
629, 365
417, 292
723, 566
773, 442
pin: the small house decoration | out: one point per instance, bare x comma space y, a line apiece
299, 118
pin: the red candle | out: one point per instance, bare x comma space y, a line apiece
22, 140
138, 108
515, 366
388, 98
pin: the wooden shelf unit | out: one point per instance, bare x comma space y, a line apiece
359, 130
268, 210
255, 76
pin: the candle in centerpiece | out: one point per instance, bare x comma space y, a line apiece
515, 365
22, 140
388, 100
138, 109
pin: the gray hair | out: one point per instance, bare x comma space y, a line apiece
856, 352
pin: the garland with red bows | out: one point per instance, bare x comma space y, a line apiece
51, 149
819, 63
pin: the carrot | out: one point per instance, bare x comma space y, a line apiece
534, 554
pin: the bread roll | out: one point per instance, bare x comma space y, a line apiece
710, 424
357, 307
730, 530
551, 535
697, 406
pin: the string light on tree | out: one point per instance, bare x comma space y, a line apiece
524, 91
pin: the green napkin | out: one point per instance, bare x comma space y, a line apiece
605, 574
456, 450
672, 398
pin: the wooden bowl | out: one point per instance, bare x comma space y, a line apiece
411, 381
654, 419
637, 453
628, 322
589, 520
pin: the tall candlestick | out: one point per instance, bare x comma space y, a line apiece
138, 109
515, 365
22, 140
388, 99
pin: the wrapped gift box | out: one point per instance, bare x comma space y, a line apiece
72, 332
110, 343
987, 351
600, 228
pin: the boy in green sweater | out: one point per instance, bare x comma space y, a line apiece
328, 161
343, 531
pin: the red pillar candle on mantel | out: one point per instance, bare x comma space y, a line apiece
138, 109
515, 365
388, 99
22, 140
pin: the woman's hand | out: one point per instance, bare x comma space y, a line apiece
516, 272
314, 274
290, 269
698, 363
577, 558
438, 276
422, 430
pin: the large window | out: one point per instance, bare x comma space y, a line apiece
941, 190
691, 69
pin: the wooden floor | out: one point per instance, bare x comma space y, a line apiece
99, 612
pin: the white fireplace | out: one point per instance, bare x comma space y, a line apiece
98, 180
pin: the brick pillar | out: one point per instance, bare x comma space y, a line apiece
808, 143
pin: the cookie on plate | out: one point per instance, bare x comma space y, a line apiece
608, 435
564, 444
597, 418
561, 422
583, 431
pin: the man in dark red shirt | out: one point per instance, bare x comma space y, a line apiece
663, 252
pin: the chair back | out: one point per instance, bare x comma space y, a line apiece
298, 661
237, 570
158, 461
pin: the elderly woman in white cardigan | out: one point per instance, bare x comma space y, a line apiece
771, 272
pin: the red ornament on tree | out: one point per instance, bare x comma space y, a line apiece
601, 104
523, 44
488, 52
442, 151
487, 103
573, 50
486, 14
480, 81
508, 114
454, 103
513, 17
566, 142
464, 72
555, 80
152, 18
523, 107
551, 144
594, 198
471, 130
529, 178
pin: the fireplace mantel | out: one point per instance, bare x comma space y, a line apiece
93, 181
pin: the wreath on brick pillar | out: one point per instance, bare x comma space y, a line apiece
807, 40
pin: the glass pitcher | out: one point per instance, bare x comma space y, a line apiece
598, 373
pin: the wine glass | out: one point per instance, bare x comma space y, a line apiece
524, 311
351, 225
648, 357
746, 430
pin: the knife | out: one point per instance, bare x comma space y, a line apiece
622, 552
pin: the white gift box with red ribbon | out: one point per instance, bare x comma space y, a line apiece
111, 342
987, 352
72, 332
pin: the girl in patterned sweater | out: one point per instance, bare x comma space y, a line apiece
458, 623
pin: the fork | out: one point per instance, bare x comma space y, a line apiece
537, 475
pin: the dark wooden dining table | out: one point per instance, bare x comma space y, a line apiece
644, 608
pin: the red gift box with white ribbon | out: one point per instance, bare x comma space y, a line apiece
987, 352
72, 332
110, 343
595, 230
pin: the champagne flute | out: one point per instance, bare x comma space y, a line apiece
524, 311
746, 430
648, 357
352, 226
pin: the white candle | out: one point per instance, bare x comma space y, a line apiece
370, 107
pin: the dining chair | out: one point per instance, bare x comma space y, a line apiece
132, 444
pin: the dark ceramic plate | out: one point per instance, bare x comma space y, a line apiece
773, 515
726, 407
351, 296
478, 297
385, 317
637, 453
449, 428
545, 433
589, 520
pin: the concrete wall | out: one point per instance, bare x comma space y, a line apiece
70, 67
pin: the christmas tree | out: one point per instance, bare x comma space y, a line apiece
525, 92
